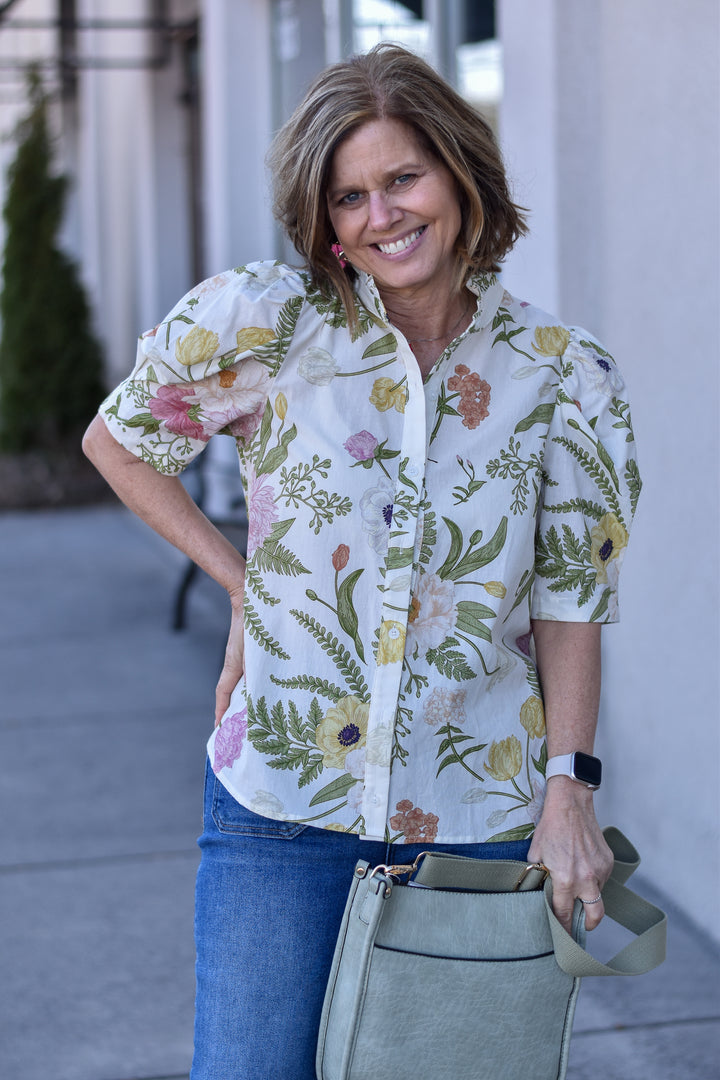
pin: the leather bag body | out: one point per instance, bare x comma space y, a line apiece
465, 973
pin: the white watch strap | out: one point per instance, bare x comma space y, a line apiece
560, 765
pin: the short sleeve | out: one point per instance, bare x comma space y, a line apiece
591, 486
207, 368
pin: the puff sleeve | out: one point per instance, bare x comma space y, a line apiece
207, 368
591, 486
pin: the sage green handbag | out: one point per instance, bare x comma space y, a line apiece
469, 976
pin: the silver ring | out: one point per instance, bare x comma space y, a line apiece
597, 899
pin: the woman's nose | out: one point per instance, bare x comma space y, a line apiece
381, 213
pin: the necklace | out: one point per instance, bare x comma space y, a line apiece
448, 333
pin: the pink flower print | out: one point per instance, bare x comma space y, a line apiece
523, 643
416, 827
262, 511
171, 405
361, 446
474, 395
245, 426
229, 740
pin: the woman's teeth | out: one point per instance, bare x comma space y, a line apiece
400, 245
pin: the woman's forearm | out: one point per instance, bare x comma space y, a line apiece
568, 662
567, 837
164, 504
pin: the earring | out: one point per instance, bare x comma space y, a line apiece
338, 252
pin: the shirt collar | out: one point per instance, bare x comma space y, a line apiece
485, 286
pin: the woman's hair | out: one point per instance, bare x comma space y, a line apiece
389, 83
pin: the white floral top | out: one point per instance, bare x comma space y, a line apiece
401, 537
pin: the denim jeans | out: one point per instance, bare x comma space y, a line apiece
269, 901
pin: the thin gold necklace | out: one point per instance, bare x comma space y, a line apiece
448, 333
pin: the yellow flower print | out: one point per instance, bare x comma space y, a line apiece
532, 717
504, 758
281, 406
391, 642
342, 729
197, 347
253, 336
495, 588
386, 394
608, 539
335, 826
551, 340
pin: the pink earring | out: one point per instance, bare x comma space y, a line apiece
339, 254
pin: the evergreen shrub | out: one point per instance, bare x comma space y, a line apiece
50, 360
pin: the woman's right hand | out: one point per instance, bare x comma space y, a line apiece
234, 664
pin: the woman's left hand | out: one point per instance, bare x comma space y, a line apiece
569, 841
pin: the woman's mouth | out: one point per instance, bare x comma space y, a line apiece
401, 245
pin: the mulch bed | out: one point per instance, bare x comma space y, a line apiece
34, 481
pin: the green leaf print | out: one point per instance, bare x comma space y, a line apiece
450, 661
566, 561
275, 457
472, 560
634, 483
336, 789
520, 832
453, 756
254, 627
347, 616
340, 656
542, 414
469, 619
286, 739
312, 683
387, 344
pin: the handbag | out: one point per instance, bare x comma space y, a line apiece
464, 972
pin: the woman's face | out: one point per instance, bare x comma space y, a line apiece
395, 209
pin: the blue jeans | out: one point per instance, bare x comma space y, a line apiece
269, 901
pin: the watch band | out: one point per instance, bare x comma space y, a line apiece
583, 768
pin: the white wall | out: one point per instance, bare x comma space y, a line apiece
237, 122
610, 122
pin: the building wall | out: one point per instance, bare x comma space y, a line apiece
610, 122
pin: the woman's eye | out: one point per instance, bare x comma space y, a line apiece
406, 178
349, 199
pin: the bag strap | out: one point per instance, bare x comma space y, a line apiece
647, 922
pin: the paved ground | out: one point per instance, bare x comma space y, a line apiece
103, 722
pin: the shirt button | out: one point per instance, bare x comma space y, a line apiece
413, 470
375, 800
393, 632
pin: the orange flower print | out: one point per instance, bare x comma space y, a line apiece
474, 395
415, 826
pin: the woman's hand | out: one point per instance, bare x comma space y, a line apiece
234, 664
568, 840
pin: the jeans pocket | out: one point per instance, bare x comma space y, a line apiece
230, 816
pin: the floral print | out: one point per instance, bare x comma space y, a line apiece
403, 534
609, 539
413, 825
229, 741
474, 395
343, 729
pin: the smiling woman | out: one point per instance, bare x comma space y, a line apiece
440, 484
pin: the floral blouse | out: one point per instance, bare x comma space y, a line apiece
402, 534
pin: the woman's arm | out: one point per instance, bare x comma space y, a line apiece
568, 838
164, 504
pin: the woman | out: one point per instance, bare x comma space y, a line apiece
440, 485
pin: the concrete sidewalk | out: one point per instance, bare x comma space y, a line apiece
105, 712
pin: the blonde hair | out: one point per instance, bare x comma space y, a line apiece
389, 83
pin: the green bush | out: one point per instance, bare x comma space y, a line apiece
50, 361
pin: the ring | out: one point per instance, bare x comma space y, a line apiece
597, 899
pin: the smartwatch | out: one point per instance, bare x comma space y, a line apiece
583, 768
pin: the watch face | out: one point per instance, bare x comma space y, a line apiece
587, 769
